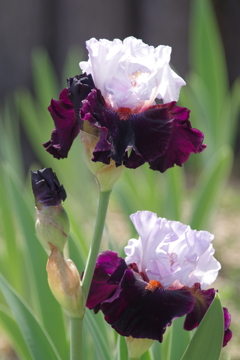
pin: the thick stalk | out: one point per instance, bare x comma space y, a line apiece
96, 241
76, 339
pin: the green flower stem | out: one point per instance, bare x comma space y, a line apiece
76, 338
133, 358
96, 241
170, 342
76, 324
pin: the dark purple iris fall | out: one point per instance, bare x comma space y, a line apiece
46, 188
137, 307
227, 331
160, 134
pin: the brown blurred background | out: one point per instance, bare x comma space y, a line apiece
59, 24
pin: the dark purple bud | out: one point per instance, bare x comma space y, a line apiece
52, 225
46, 188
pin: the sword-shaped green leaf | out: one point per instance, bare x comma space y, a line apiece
207, 341
37, 339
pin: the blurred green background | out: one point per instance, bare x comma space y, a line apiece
204, 193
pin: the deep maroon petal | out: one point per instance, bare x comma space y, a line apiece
46, 188
107, 275
227, 318
152, 132
227, 332
203, 299
65, 114
133, 160
184, 140
146, 133
161, 135
136, 311
227, 337
79, 87
103, 148
66, 124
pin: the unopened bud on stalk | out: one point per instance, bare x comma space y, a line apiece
137, 347
52, 225
105, 175
64, 282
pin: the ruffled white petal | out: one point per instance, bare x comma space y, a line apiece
130, 73
171, 252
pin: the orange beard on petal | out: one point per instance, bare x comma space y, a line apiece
124, 113
153, 285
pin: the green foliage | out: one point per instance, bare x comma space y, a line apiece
178, 343
25, 294
214, 107
147, 356
38, 341
208, 62
207, 193
207, 341
14, 333
35, 260
122, 352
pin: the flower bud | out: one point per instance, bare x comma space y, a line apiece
64, 282
47, 189
137, 347
52, 225
105, 175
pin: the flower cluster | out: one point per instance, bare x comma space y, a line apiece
114, 102
124, 107
164, 276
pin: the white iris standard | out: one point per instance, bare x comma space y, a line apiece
131, 74
172, 253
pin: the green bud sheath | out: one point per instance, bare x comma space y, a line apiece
106, 175
52, 226
64, 282
137, 347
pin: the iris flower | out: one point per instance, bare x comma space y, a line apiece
165, 275
114, 101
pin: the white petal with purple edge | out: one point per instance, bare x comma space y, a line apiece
130, 73
171, 252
